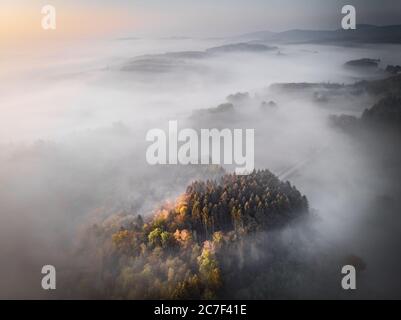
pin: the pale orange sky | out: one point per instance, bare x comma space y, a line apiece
19, 24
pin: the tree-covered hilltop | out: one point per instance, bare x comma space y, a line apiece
241, 203
181, 251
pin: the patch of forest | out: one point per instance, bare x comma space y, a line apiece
182, 251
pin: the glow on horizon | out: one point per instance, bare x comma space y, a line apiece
20, 19
22, 24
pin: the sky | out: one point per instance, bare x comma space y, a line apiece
20, 19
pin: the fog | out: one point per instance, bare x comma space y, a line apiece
72, 146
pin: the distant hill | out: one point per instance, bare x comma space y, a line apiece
172, 61
241, 47
380, 88
363, 63
362, 34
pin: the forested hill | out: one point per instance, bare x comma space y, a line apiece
181, 252
241, 203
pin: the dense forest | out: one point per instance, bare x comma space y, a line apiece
182, 251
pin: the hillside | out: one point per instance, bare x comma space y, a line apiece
386, 111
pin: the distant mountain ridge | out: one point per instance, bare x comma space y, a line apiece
364, 33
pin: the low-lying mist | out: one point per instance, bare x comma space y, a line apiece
72, 152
